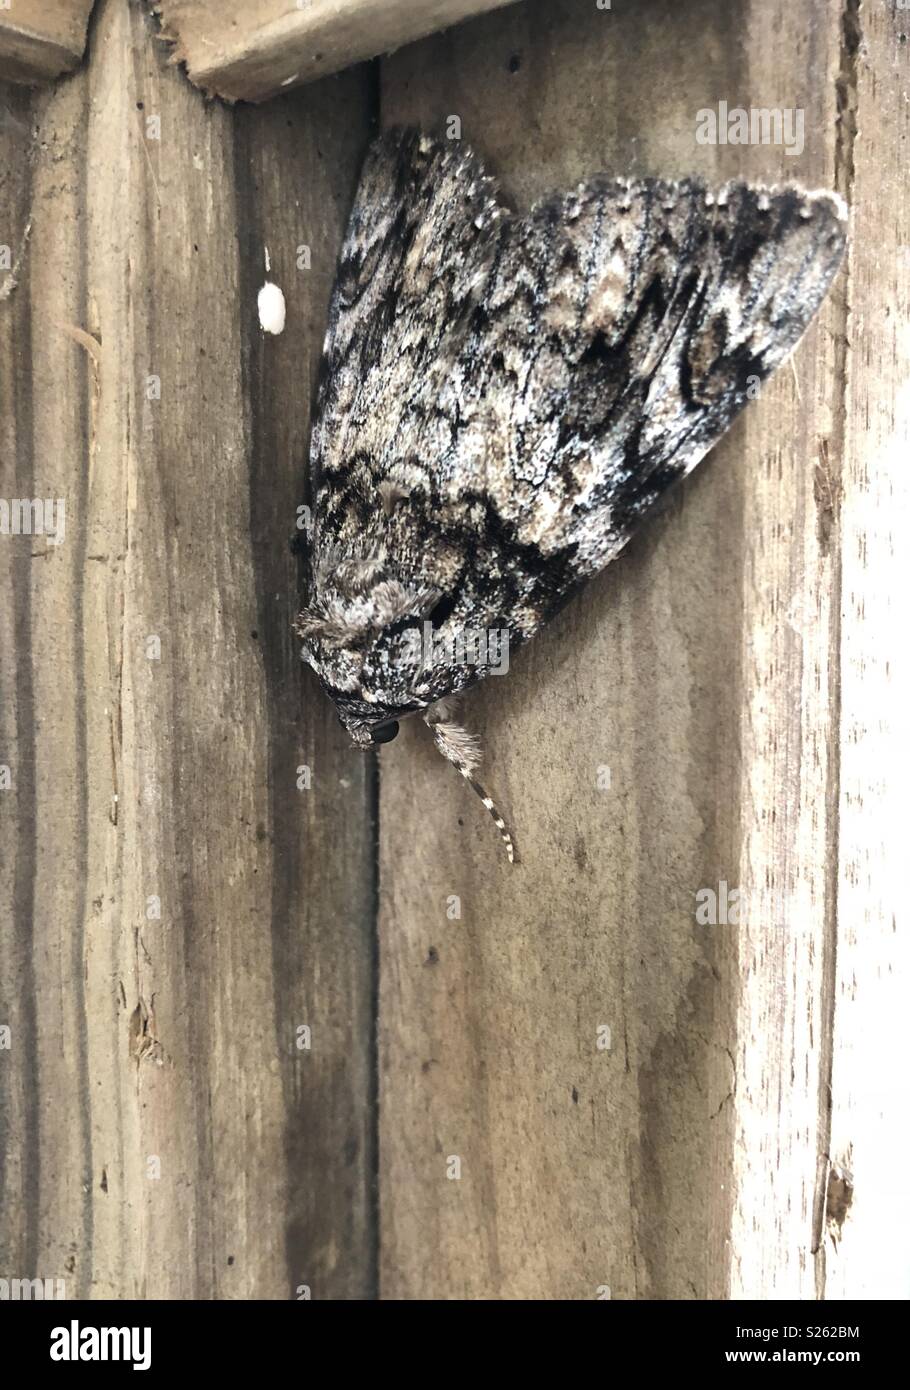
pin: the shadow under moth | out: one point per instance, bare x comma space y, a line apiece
504, 398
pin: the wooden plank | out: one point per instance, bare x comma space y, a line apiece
164, 1135
735, 671
700, 669
866, 1216
250, 53
40, 39
787, 739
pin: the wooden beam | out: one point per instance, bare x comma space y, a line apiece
734, 674
863, 1221
675, 729
40, 39
246, 52
179, 903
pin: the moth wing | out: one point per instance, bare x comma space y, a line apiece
416, 256
503, 399
622, 328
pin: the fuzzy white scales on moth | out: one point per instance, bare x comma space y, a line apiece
504, 398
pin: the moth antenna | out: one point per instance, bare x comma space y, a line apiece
494, 812
463, 750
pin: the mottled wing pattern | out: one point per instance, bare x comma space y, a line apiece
504, 398
623, 327
417, 252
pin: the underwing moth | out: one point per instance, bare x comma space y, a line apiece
504, 398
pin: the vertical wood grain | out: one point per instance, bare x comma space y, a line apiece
640, 1106
164, 1136
787, 735
698, 670
865, 1217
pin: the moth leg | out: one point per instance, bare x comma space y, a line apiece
463, 750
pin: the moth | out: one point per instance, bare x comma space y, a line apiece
504, 398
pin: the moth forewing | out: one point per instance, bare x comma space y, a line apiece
504, 398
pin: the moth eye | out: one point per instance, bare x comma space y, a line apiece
385, 732
443, 610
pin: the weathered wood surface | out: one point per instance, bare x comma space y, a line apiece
870, 1096
39, 39
690, 1159
733, 677
136, 1039
247, 52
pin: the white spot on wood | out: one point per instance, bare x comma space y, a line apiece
272, 308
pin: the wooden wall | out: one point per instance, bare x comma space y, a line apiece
735, 672
175, 777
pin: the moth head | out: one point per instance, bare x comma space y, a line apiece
362, 635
